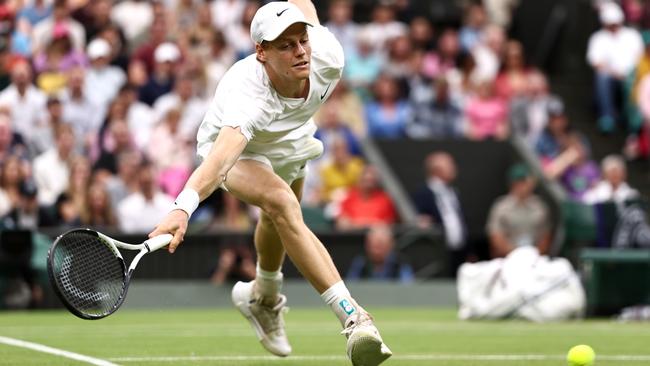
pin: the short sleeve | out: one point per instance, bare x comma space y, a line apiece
328, 50
248, 112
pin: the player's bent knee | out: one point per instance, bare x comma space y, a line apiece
280, 202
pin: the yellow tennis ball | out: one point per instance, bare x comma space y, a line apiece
581, 355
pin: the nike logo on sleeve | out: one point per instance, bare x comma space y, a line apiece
280, 13
325, 92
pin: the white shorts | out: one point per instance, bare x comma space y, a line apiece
288, 166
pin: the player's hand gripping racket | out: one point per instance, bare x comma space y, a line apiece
88, 273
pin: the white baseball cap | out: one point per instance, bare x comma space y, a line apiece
167, 52
99, 47
611, 13
273, 18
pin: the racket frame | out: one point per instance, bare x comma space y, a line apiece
146, 247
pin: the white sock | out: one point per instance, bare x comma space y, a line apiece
339, 299
268, 285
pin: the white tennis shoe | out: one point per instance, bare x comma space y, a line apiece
268, 322
365, 346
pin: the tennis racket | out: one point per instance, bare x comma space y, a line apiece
88, 272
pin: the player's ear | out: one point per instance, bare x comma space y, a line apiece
260, 52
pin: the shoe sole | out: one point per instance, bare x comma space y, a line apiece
365, 349
242, 306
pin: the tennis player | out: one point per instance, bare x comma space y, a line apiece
254, 142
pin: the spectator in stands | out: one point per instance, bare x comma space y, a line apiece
55, 60
613, 187
475, 20
80, 111
139, 116
380, 260
161, 81
489, 51
341, 171
120, 55
445, 58
171, 152
238, 33
80, 179
35, 12
157, 35
340, 23
12, 176
388, 113
141, 210
103, 81
383, 26
437, 203
439, 118
513, 77
118, 140
135, 17
463, 80
421, 34
23, 99
221, 57
399, 60
125, 182
486, 114
519, 218
45, 29
236, 257
98, 212
42, 134
613, 52
11, 143
185, 100
95, 16
226, 12
332, 126
366, 204
529, 111
65, 213
557, 133
574, 169
26, 214
363, 66
52, 168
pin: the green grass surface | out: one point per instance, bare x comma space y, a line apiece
222, 337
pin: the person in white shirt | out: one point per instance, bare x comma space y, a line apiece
103, 81
25, 101
44, 30
613, 52
183, 98
52, 168
142, 209
255, 140
613, 187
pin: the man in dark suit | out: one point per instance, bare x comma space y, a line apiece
437, 203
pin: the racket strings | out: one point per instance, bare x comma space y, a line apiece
89, 274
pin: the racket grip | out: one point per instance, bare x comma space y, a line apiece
158, 242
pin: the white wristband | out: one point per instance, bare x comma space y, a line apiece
188, 200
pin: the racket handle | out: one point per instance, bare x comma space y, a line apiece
158, 242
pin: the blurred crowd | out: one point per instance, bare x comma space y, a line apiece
100, 102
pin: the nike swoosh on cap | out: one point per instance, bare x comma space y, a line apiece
280, 13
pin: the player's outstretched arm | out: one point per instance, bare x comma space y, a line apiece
205, 179
307, 8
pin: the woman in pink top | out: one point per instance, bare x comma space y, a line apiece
486, 114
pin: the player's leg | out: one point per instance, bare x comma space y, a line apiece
257, 184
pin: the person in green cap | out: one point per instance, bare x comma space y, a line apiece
519, 218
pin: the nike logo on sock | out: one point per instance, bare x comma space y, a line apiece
280, 13
325, 93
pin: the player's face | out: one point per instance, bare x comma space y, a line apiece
289, 55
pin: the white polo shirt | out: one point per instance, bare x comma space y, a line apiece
277, 128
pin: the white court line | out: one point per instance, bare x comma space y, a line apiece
55, 351
622, 358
